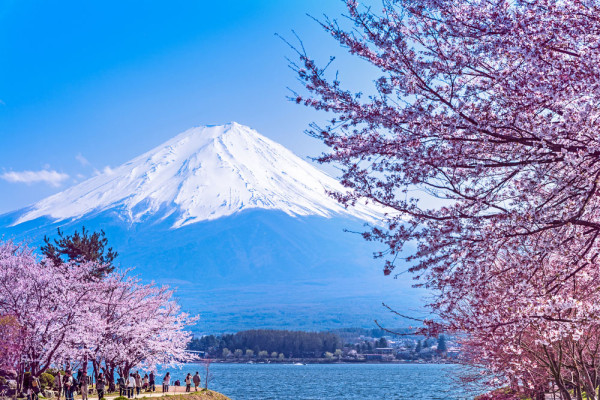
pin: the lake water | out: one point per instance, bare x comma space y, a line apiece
333, 381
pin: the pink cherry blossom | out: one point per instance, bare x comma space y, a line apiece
487, 110
66, 317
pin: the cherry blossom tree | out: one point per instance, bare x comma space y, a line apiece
490, 108
525, 337
143, 325
51, 308
65, 318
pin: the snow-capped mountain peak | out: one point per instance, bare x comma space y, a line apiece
203, 174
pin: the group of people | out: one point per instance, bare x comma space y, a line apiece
136, 383
189, 379
70, 384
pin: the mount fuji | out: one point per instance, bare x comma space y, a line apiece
244, 229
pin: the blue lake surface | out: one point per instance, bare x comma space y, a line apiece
333, 381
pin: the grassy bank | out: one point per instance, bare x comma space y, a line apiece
200, 395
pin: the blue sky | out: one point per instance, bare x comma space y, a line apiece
91, 84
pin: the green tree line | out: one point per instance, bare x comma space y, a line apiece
290, 343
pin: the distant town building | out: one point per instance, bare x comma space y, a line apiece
384, 350
453, 352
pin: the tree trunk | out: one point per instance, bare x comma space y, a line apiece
112, 378
95, 369
84, 368
20, 376
564, 393
578, 393
585, 379
539, 395
109, 374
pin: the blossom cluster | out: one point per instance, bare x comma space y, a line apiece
63, 315
490, 110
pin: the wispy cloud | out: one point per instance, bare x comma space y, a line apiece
106, 170
82, 160
50, 177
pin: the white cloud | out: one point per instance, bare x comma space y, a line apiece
82, 160
106, 170
50, 177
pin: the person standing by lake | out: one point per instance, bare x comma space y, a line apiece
37, 388
27, 386
68, 385
152, 382
100, 386
138, 383
83, 385
188, 382
122, 386
166, 382
58, 384
32, 385
196, 380
130, 386
77, 380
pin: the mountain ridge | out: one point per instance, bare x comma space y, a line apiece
205, 173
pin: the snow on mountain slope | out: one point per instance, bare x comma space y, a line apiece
203, 174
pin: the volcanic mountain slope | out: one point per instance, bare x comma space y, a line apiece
203, 174
240, 225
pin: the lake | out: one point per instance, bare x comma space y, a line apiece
333, 381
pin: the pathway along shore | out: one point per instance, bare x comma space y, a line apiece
199, 395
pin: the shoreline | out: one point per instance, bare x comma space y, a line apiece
201, 394
317, 362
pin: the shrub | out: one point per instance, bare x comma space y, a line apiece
54, 371
46, 381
